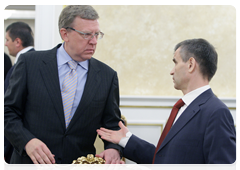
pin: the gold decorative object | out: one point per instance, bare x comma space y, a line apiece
86, 163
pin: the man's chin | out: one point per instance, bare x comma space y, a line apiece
176, 87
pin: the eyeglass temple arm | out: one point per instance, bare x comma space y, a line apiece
70, 28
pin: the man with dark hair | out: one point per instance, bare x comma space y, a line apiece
19, 40
200, 129
57, 99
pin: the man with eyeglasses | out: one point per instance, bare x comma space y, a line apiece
58, 98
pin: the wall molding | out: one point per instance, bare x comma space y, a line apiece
161, 101
155, 110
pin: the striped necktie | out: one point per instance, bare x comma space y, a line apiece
68, 90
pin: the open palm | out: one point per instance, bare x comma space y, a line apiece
113, 136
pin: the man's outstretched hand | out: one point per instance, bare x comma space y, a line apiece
113, 136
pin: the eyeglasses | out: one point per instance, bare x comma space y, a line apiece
88, 36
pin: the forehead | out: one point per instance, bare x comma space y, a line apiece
177, 55
85, 24
7, 36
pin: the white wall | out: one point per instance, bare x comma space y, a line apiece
46, 26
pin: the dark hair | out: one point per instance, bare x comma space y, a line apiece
70, 12
204, 54
23, 31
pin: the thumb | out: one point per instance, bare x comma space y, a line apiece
101, 155
121, 125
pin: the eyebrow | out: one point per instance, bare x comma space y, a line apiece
86, 31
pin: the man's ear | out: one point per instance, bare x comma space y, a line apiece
18, 42
64, 34
191, 64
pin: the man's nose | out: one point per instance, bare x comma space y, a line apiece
93, 40
172, 72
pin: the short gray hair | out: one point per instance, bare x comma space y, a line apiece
70, 12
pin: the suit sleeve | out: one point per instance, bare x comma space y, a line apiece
220, 138
112, 114
139, 150
14, 104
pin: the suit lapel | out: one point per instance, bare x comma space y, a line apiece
49, 72
187, 115
90, 89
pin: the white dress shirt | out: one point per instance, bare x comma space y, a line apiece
187, 99
21, 52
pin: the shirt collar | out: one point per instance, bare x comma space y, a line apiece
21, 52
63, 58
191, 96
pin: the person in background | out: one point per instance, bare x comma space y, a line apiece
58, 98
19, 40
200, 129
7, 64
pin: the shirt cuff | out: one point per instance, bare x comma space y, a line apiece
123, 142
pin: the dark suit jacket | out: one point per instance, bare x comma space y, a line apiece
9, 73
203, 134
7, 65
8, 148
33, 108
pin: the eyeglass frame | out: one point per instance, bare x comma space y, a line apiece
84, 34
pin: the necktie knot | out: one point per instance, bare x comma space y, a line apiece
72, 64
179, 104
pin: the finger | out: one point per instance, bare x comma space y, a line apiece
105, 130
43, 157
121, 125
34, 159
49, 155
39, 158
107, 138
100, 132
99, 155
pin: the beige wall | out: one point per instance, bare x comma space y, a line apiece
139, 43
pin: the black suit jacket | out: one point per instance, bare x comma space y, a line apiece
33, 108
9, 73
203, 134
7, 65
8, 148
